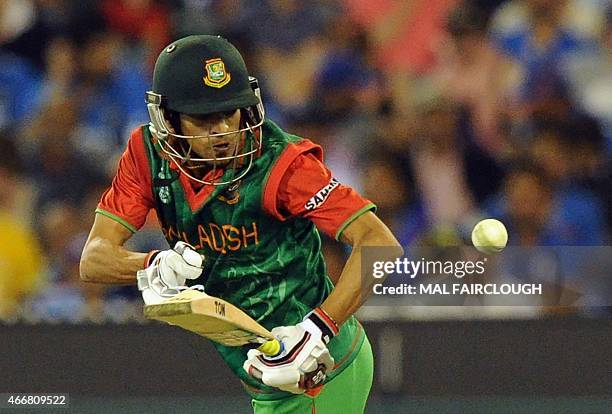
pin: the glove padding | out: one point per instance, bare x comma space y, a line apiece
305, 360
167, 271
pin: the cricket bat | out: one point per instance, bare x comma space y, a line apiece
213, 318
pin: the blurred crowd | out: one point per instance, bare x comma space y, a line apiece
440, 111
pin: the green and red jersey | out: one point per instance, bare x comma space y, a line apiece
261, 243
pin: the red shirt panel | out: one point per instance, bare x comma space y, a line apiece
130, 196
300, 185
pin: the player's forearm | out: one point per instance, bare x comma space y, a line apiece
104, 262
352, 289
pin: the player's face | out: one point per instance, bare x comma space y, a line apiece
217, 123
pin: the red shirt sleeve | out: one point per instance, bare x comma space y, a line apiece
130, 197
305, 187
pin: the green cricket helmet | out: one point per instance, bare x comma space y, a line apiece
200, 75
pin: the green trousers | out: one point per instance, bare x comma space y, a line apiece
346, 394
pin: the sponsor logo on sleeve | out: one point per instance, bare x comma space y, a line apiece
321, 196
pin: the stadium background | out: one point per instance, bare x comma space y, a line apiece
440, 111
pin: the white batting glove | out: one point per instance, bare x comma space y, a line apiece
305, 360
166, 271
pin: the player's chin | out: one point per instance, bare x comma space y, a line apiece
217, 163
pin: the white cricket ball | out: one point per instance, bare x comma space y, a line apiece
489, 236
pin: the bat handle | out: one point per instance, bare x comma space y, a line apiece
272, 347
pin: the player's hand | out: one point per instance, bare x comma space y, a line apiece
305, 360
166, 272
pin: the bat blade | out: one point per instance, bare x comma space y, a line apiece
211, 317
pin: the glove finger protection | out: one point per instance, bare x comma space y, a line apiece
305, 360
166, 272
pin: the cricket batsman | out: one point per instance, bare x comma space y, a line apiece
249, 198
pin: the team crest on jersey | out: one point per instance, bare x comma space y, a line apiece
231, 196
216, 74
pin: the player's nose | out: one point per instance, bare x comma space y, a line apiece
218, 125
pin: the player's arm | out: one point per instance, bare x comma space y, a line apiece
159, 273
104, 259
352, 289
121, 212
